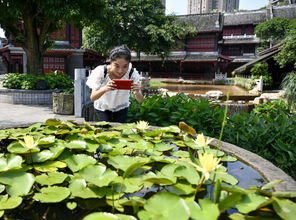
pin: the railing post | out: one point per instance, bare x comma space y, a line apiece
79, 84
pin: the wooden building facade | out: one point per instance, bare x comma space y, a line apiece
224, 42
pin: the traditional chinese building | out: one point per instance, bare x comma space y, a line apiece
66, 55
224, 41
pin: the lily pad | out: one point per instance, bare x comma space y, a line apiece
52, 194
79, 188
98, 175
51, 178
163, 206
10, 162
77, 162
123, 162
18, 183
9, 202
50, 166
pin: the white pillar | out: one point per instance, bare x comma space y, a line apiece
80, 75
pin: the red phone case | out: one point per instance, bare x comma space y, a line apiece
123, 83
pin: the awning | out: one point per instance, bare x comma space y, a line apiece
249, 65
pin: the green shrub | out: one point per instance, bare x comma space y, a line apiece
164, 111
261, 69
268, 131
55, 80
289, 85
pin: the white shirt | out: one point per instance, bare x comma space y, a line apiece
113, 100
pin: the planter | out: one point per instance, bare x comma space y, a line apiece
26, 97
63, 103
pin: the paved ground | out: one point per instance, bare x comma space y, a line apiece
12, 114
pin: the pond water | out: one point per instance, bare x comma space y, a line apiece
202, 89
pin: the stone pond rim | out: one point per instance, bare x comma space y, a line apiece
265, 168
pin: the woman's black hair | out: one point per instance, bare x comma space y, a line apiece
120, 52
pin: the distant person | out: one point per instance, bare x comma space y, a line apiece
112, 104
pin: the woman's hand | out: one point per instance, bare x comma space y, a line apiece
110, 86
136, 88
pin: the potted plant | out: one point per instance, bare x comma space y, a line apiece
63, 102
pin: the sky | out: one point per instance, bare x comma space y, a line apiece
179, 7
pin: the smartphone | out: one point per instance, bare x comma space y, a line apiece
123, 83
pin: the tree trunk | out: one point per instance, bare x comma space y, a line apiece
33, 44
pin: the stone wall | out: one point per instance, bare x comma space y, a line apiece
26, 97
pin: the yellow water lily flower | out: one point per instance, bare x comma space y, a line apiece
202, 141
208, 163
29, 142
142, 125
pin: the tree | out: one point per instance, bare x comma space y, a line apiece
287, 53
30, 23
273, 30
140, 24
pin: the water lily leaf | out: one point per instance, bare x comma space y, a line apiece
71, 205
57, 149
172, 128
192, 144
228, 158
230, 201
123, 162
52, 194
42, 156
223, 176
2, 188
115, 142
189, 173
153, 133
51, 178
10, 162
91, 146
133, 184
216, 153
132, 168
285, 208
46, 140
163, 147
53, 122
98, 175
62, 131
77, 162
179, 143
18, 183
102, 123
180, 154
50, 166
162, 159
271, 184
159, 179
250, 202
9, 202
181, 189
108, 216
80, 189
237, 216
284, 194
172, 207
141, 145
76, 144
206, 210
169, 169
16, 148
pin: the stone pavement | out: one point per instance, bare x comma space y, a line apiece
16, 115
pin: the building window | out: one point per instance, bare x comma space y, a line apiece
53, 63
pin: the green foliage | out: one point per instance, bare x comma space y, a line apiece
55, 80
163, 111
287, 53
30, 23
272, 30
140, 24
289, 85
261, 69
268, 131
122, 170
